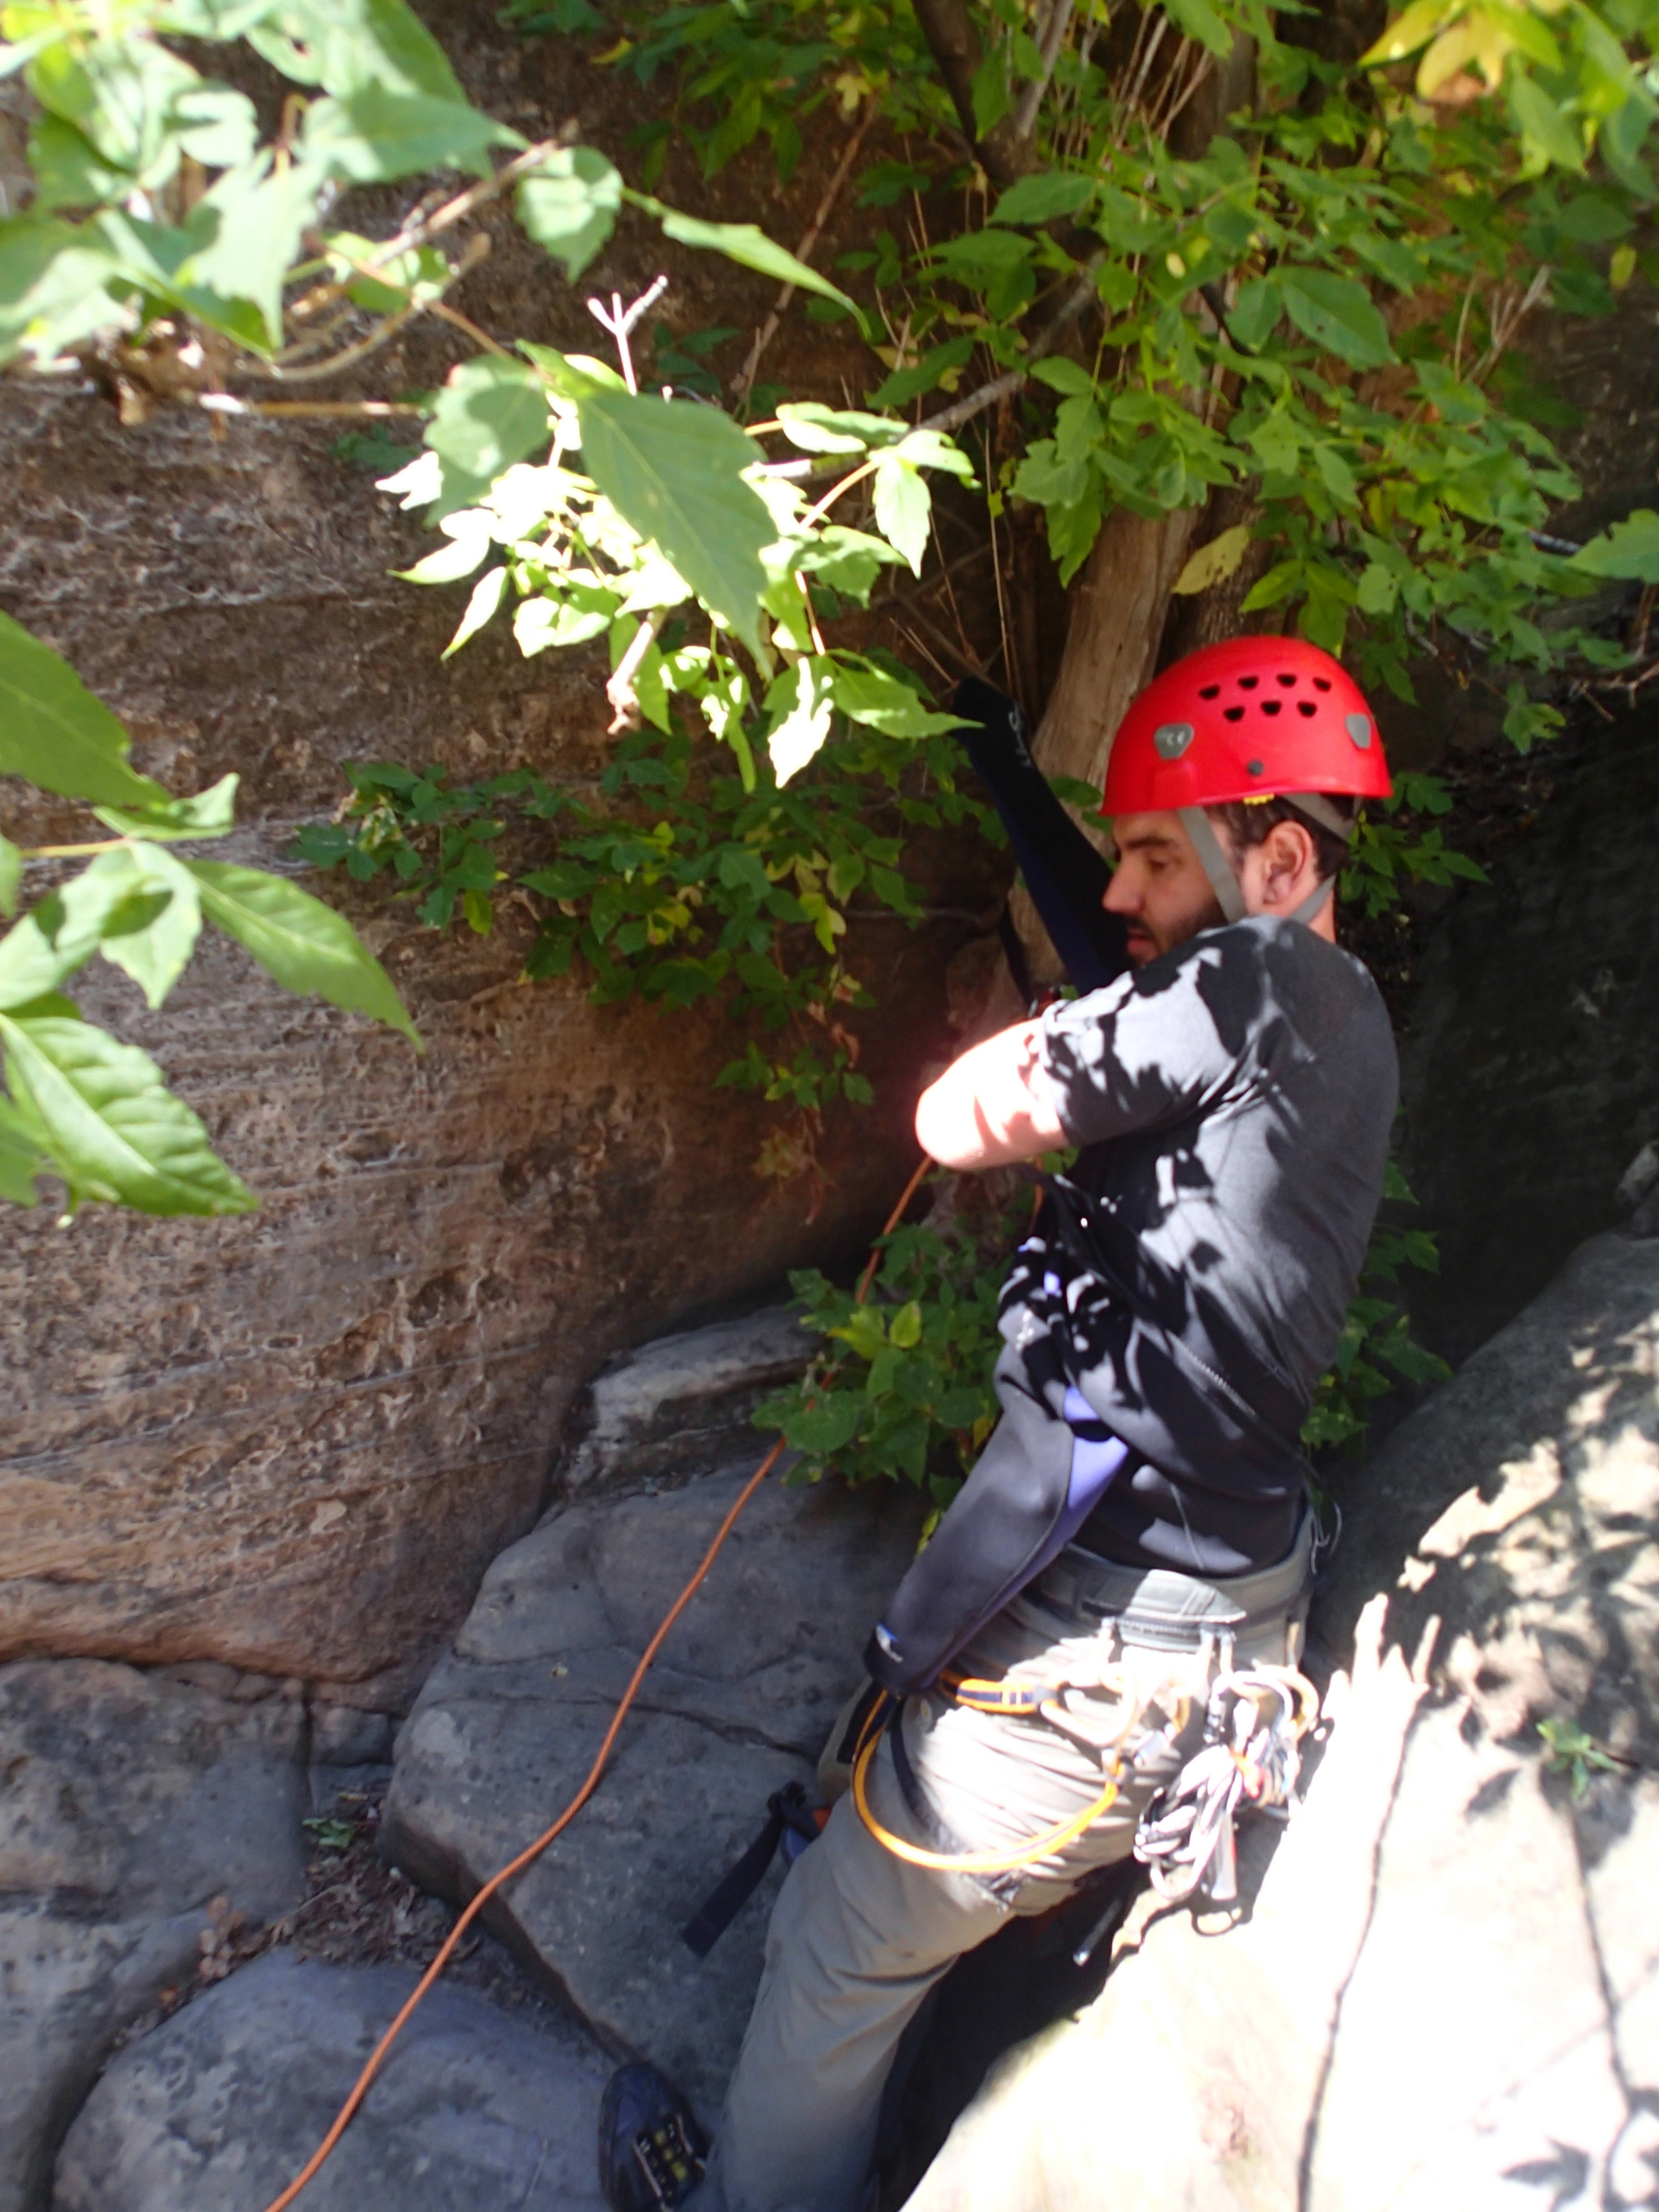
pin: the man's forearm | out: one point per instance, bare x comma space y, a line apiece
990, 1106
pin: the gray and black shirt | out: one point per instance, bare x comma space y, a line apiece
1191, 1275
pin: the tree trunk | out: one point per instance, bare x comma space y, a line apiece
1122, 603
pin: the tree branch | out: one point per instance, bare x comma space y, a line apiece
1054, 39
1004, 153
1076, 304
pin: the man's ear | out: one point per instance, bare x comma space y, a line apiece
1286, 850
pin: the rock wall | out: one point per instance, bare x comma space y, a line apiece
1530, 1062
1445, 1987
293, 1443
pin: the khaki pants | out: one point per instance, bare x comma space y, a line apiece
859, 1936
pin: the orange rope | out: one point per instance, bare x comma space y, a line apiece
342, 2119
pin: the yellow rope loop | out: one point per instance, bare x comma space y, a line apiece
1034, 1849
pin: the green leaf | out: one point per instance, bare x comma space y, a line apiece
1251, 317
673, 470
157, 257
305, 945
849, 561
490, 413
1629, 549
540, 623
803, 703
68, 169
827, 1425
905, 385
1409, 31
569, 205
1546, 131
1040, 198
119, 93
1198, 20
1336, 313
572, 375
11, 875
905, 1328
745, 243
151, 942
871, 696
818, 430
54, 287
210, 19
209, 813
1212, 563
21, 1157
123, 892
485, 600
115, 1131
257, 216
348, 45
54, 732
1069, 377
904, 508
215, 126
421, 274
376, 134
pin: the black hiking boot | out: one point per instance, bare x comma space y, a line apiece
651, 2148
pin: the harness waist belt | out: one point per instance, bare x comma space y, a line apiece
1168, 1611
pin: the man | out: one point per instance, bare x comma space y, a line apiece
1137, 1518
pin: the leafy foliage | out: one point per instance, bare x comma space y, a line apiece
93, 1112
1571, 1751
1377, 1335
685, 886
1318, 315
903, 1388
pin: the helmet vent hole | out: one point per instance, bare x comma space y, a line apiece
1321, 683
1248, 683
1272, 706
1289, 682
1232, 713
1210, 691
1306, 707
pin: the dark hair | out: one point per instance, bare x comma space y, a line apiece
1246, 823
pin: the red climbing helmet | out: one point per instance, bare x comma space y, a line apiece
1252, 717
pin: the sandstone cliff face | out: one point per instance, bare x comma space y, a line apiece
294, 1442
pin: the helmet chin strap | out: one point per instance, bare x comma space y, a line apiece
1213, 859
1217, 863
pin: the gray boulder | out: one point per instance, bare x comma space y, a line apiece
218, 2108
680, 1405
1446, 1989
738, 1704
137, 1815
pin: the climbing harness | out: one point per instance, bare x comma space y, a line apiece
1255, 1718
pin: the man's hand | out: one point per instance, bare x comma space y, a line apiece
989, 1107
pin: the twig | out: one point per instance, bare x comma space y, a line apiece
1030, 99
768, 329
620, 321
464, 323
620, 689
337, 363
1001, 387
222, 403
456, 210
831, 496
70, 851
